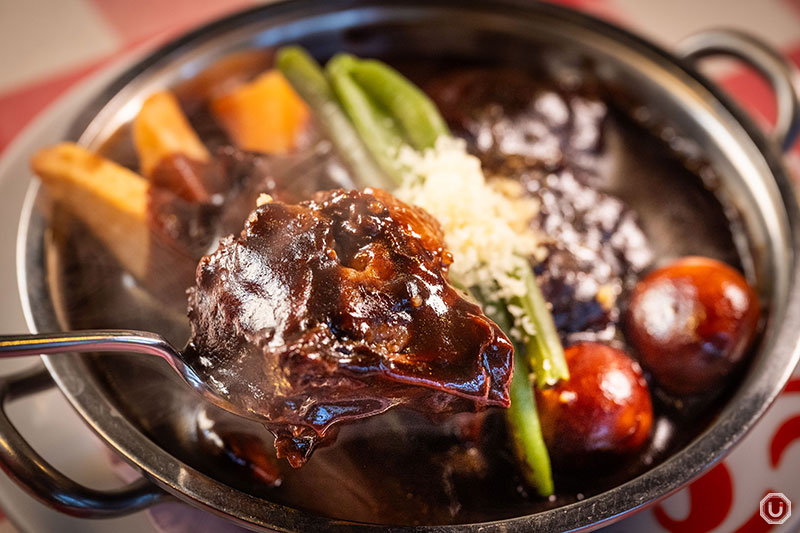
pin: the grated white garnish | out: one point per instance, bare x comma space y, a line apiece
486, 224
263, 199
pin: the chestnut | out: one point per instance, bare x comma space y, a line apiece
691, 323
603, 408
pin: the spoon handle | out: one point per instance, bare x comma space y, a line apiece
116, 340
87, 341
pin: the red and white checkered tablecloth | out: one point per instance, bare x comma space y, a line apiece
47, 46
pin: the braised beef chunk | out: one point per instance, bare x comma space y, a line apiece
340, 308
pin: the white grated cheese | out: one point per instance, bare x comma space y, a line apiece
486, 223
263, 199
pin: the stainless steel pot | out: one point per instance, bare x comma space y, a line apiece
753, 181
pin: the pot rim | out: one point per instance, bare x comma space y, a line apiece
195, 487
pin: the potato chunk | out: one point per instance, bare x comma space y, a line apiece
110, 199
161, 129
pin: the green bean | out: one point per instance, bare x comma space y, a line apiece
414, 111
526, 432
542, 345
308, 79
522, 416
377, 129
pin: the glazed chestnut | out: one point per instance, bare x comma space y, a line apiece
604, 407
692, 323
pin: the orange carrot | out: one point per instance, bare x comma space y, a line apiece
265, 115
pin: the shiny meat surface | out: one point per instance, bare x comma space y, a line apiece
337, 309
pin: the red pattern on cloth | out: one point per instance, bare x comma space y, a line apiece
792, 386
710, 500
753, 92
786, 435
19, 107
755, 524
794, 3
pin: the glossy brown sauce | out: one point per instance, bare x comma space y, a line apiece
337, 309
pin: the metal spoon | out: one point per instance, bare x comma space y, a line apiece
118, 340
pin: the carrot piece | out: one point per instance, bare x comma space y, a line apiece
265, 115
161, 129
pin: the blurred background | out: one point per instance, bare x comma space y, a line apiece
48, 47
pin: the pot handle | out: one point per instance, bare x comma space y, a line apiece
39, 479
781, 74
